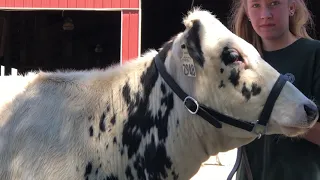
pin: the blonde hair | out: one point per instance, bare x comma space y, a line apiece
299, 23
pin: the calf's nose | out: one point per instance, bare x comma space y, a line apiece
311, 111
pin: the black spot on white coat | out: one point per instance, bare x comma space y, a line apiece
255, 89
163, 88
129, 173
97, 170
140, 121
139, 124
112, 177
245, 91
91, 131
175, 175
108, 108
113, 120
88, 170
234, 76
221, 70
121, 151
154, 162
194, 43
102, 125
221, 85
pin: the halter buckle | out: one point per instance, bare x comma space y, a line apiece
259, 129
194, 101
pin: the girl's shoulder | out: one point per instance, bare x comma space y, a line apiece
308, 43
303, 46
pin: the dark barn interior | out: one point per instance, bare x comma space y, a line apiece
36, 39
50, 40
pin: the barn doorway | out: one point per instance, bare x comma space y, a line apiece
50, 40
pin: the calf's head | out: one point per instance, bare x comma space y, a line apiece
231, 77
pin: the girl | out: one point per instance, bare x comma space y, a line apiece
278, 29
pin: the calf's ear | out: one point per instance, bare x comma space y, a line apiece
193, 43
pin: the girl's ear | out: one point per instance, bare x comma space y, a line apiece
245, 11
246, 15
292, 7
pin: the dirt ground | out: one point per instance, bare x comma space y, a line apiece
211, 170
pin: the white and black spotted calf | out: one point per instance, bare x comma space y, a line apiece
124, 122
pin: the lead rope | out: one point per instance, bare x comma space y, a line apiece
241, 153
247, 165
236, 164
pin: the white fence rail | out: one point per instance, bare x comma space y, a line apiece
14, 71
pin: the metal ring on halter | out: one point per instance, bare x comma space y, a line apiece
194, 101
259, 129
259, 136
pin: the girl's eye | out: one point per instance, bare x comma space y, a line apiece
255, 5
274, 3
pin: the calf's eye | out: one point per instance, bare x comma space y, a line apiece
230, 56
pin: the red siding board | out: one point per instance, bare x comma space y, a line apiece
54, 3
70, 3
90, 3
81, 3
63, 3
107, 3
134, 4
10, 3
125, 3
134, 33
18, 3
27, 3
125, 36
98, 4
45, 3
130, 35
116, 4
37, 3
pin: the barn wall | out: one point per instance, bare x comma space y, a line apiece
130, 35
69, 4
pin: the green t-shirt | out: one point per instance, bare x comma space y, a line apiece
289, 158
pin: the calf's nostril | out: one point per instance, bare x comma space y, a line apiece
311, 112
